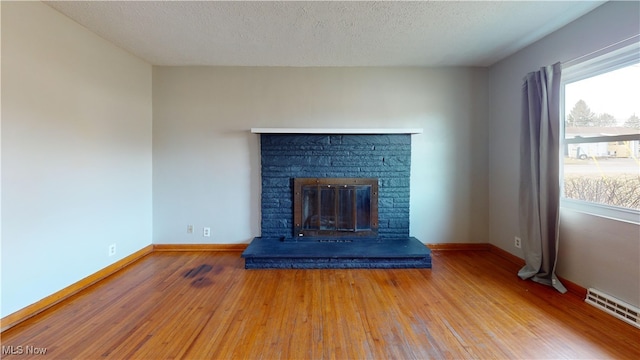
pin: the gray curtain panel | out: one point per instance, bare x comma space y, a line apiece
539, 175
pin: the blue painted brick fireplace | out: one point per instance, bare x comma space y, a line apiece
386, 157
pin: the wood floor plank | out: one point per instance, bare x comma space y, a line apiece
205, 305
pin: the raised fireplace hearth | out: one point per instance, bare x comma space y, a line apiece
335, 201
365, 253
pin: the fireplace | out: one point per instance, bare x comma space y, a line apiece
335, 207
331, 200
286, 157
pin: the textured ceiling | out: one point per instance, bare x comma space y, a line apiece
328, 33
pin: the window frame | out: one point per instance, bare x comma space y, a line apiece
612, 58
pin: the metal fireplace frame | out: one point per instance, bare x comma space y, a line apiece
335, 183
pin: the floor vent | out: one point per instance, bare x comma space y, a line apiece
615, 307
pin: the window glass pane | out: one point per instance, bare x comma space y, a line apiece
606, 168
605, 104
612, 179
609, 100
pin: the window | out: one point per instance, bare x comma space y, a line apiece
600, 153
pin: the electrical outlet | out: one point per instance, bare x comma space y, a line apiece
112, 249
518, 242
189, 229
206, 232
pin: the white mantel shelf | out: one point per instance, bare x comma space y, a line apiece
334, 131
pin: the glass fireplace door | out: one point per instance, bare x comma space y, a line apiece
335, 207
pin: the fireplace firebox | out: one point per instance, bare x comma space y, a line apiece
335, 207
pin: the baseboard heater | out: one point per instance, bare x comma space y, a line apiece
616, 307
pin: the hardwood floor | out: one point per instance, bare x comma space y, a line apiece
204, 305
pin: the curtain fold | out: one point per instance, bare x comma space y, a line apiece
539, 193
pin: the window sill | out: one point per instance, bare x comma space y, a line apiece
605, 211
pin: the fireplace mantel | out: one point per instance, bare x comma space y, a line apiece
350, 131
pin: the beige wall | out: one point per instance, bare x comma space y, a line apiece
594, 251
77, 149
76, 153
206, 163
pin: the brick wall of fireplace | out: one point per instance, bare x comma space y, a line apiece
289, 156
